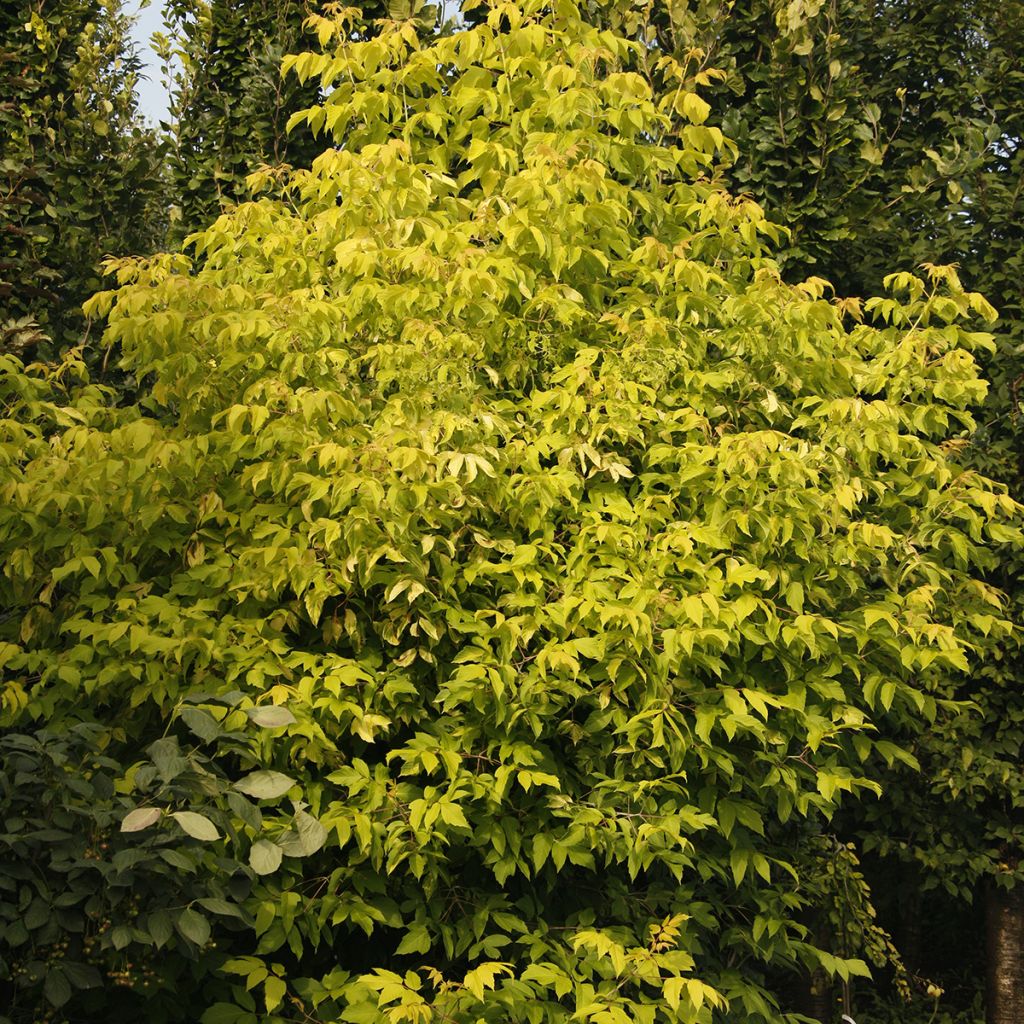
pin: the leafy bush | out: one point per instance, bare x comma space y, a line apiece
89, 913
570, 564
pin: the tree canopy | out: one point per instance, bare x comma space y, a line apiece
79, 171
503, 573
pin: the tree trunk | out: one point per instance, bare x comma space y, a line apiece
1004, 926
818, 1000
910, 933
815, 995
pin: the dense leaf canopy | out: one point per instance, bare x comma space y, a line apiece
491, 497
79, 172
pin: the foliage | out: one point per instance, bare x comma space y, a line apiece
566, 559
79, 173
843, 907
93, 920
882, 132
100, 919
230, 103
922, 1010
927, 166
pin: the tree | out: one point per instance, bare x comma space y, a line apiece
231, 104
79, 173
493, 499
917, 128
882, 132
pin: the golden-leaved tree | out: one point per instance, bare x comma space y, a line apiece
502, 575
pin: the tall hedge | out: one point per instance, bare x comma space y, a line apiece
79, 172
887, 134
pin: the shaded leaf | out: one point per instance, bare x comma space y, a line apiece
265, 857
56, 987
308, 836
196, 825
140, 818
193, 926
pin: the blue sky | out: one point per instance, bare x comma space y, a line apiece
152, 97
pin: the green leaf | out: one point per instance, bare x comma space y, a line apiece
227, 1013
160, 926
179, 860
273, 992
202, 723
271, 716
265, 785
307, 837
81, 975
141, 818
265, 857
198, 826
166, 755
738, 861
193, 926
56, 987
248, 812
222, 907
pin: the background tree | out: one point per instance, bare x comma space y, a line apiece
79, 173
911, 118
230, 102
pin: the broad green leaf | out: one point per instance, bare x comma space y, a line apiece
265, 785
308, 836
56, 987
193, 926
271, 716
201, 722
273, 992
141, 818
196, 825
265, 857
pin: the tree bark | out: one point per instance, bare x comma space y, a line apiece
910, 933
818, 999
1004, 926
815, 994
